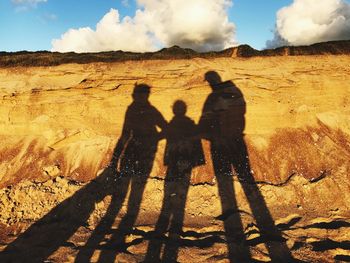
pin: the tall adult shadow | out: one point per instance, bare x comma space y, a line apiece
222, 123
183, 152
136, 150
134, 154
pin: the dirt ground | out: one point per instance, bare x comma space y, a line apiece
270, 181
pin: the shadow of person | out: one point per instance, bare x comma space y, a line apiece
183, 151
135, 153
222, 123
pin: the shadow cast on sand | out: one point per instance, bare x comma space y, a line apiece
183, 152
222, 123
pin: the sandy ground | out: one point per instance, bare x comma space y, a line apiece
60, 126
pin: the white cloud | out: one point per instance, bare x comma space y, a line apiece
306, 22
111, 34
199, 24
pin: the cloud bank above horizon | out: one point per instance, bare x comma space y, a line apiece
305, 22
202, 25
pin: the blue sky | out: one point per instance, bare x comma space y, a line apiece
29, 27
255, 20
71, 25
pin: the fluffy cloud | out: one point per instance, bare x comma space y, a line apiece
111, 34
198, 24
309, 21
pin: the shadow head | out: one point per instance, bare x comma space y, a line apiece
141, 92
179, 108
213, 78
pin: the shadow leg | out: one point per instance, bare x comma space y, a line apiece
276, 245
178, 211
106, 223
155, 244
233, 225
125, 227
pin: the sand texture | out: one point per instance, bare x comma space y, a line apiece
284, 119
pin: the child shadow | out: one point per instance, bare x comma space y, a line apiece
183, 152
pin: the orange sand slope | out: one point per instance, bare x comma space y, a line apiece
59, 127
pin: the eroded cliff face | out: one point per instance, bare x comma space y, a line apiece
60, 126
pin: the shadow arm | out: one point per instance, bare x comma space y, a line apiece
121, 144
